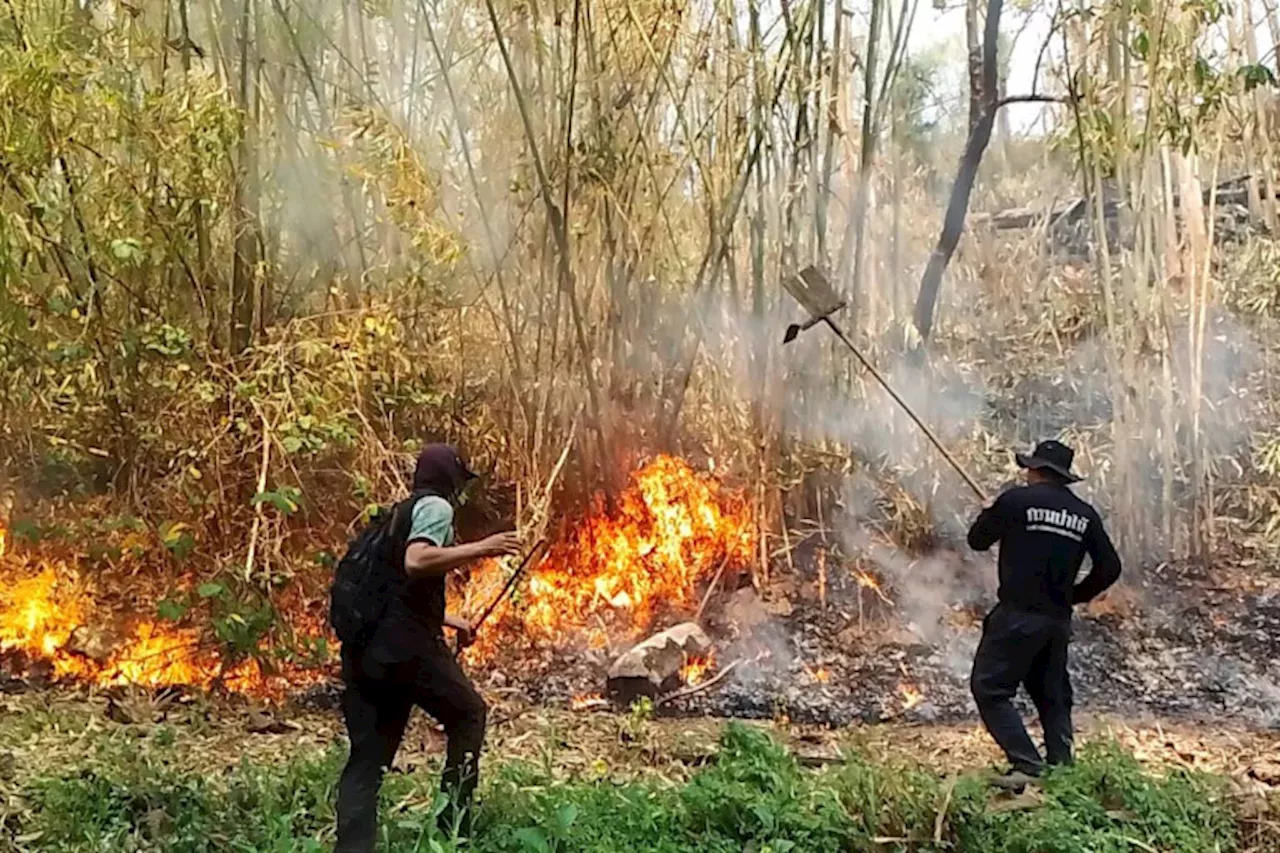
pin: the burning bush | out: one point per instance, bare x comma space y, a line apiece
54, 621
612, 574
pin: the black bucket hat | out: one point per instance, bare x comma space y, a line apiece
1050, 456
441, 469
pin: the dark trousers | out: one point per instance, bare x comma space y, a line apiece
1023, 648
376, 704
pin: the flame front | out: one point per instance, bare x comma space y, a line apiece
48, 616
38, 617
867, 580
587, 701
608, 578
613, 573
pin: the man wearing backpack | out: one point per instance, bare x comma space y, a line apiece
405, 661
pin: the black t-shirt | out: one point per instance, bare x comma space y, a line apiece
1044, 532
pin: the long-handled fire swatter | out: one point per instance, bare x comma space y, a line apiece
814, 292
506, 589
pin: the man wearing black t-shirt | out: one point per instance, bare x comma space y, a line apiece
407, 663
1044, 532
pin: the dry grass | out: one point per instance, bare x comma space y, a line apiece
59, 728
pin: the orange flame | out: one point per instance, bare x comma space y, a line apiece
819, 675
615, 571
869, 581
609, 578
38, 617
911, 696
44, 610
587, 701
696, 669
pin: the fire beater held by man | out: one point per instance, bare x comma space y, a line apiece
1044, 531
388, 610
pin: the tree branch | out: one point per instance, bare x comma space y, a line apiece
1031, 99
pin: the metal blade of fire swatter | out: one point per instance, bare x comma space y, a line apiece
814, 293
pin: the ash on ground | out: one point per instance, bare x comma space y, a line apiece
1207, 655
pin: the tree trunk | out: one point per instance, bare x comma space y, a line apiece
970, 160
199, 224
833, 131
866, 159
1005, 132
759, 352
558, 230
876, 96
1273, 25
896, 120
1258, 141
973, 54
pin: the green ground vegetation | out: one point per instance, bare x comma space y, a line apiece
139, 794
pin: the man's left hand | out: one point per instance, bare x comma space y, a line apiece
466, 633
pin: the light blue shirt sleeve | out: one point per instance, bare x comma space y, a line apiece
432, 522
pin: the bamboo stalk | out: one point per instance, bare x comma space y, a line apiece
463, 127
263, 468
556, 223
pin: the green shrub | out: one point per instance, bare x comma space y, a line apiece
1104, 804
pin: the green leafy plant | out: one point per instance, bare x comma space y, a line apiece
239, 617
286, 500
177, 539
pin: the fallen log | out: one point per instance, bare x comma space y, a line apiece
1233, 191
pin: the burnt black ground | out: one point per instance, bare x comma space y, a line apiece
1189, 650
1133, 670
1211, 655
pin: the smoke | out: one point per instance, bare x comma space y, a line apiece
821, 394
927, 591
1136, 421
391, 54
767, 653
1071, 394
879, 431
481, 211
327, 176
1266, 694
1084, 393
307, 187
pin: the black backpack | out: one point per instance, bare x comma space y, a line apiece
370, 574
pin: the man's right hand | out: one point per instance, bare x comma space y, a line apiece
501, 544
